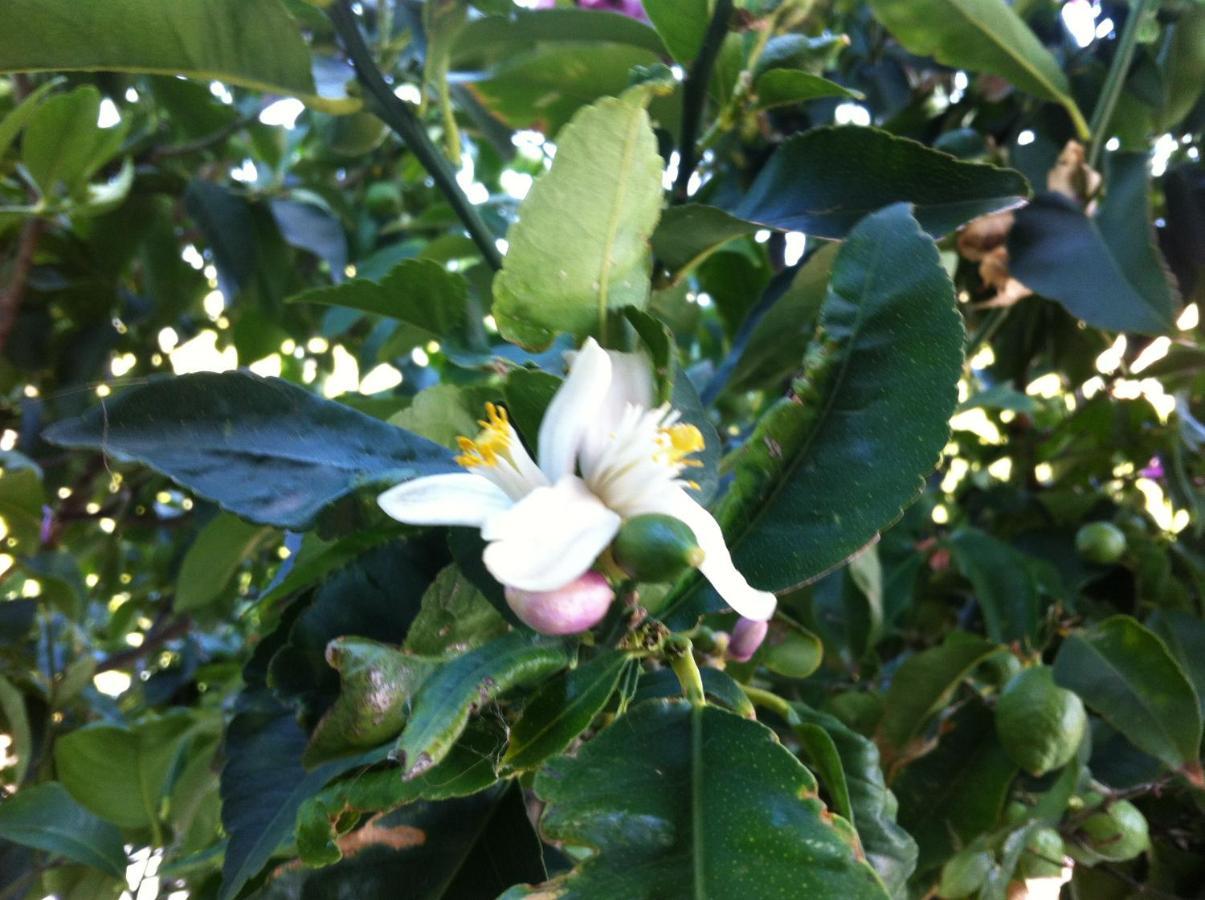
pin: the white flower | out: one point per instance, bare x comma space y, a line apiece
606, 455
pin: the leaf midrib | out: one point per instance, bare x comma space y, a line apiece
625, 163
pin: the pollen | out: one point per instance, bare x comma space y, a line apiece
492, 443
678, 442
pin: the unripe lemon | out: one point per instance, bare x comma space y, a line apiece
357, 134
1039, 723
1115, 834
1100, 542
655, 548
1043, 855
964, 873
999, 668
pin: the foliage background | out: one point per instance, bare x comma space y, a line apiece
162, 660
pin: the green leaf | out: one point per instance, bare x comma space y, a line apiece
255, 45
719, 688
1105, 270
46, 818
925, 682
377, 686
62, 143
212, 560
15, 120
982, 36
827, 179
1004, 587
444, 412
492, 38
786, 87
562, 709
889, 848
1126, 675
830, 466
690, 801
419, 292
580, 248
528, 393
688, 234
467, 769
16, 726
682, 25
956, 793
289, 455
463, 685
121, 773
455, 617
21, 500
1184, 635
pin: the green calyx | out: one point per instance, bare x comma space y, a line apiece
654, 548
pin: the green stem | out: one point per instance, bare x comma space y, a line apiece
1102, 115
680, 653
398, 116
772, 702
694, 96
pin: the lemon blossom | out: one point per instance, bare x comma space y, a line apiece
606, 454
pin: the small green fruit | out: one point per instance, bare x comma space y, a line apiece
791, 651
655, 548
1100, 542
1043, 855
999, 668
383, 199
357, 134
1015, 813
1115, 834
964, 874
1039, 723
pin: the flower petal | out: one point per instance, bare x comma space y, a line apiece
572, 411
458, 498
548, 538
631, 387
717, 564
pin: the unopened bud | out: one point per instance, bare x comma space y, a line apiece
746, 638
656, 549
572, 608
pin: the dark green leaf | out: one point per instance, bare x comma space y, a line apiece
1126, 674
719, 688
45, 817
694, 801
1184, 635
454, 617
528, 393
15, 719
824, 181
292, 454
463, 685
786, 87
562, 709
492, 38
682, 24
1003, 585
686, 235
21, 499
254, 45
925, 682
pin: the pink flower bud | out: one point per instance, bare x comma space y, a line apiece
746, 638
633, 9
569, 609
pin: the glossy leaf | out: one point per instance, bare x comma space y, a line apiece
454, 617
567, 273
694, 801
925, 682
682, 24
831, 465
293, 454
419, 292
1184, 635
719, 688
1125, 673
213, 559
982, 36
491, 38
62, 145
12, 123
826, 180
1004, 587
256, 45
562, 709
45, 817
786, 87
465, 684
688, 234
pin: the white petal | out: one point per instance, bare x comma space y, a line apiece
548, 538
631, 387
717, 564
574, 408
458, 498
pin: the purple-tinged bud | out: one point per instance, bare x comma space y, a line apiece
1153, 469
633, 9
746, 638
570, 609
46, 532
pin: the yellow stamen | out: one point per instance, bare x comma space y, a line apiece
493, 441
678, 442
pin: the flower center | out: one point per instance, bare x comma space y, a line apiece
676, 443
492, 443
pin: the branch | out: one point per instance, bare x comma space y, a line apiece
401, 118
10, 300
1110, 93
694, 96
155, 638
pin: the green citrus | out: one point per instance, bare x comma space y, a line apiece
655, 548
1100, 542
1039, 723
964, 874
1043, 855
1115, 834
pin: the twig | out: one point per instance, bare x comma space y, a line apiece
155, 638
14, 293
401, 118
205, 141
694, 96
1102, 115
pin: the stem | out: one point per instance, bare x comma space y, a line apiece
694, 96
772, 702
680, 653
1102, 115
10, 299
401, 118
